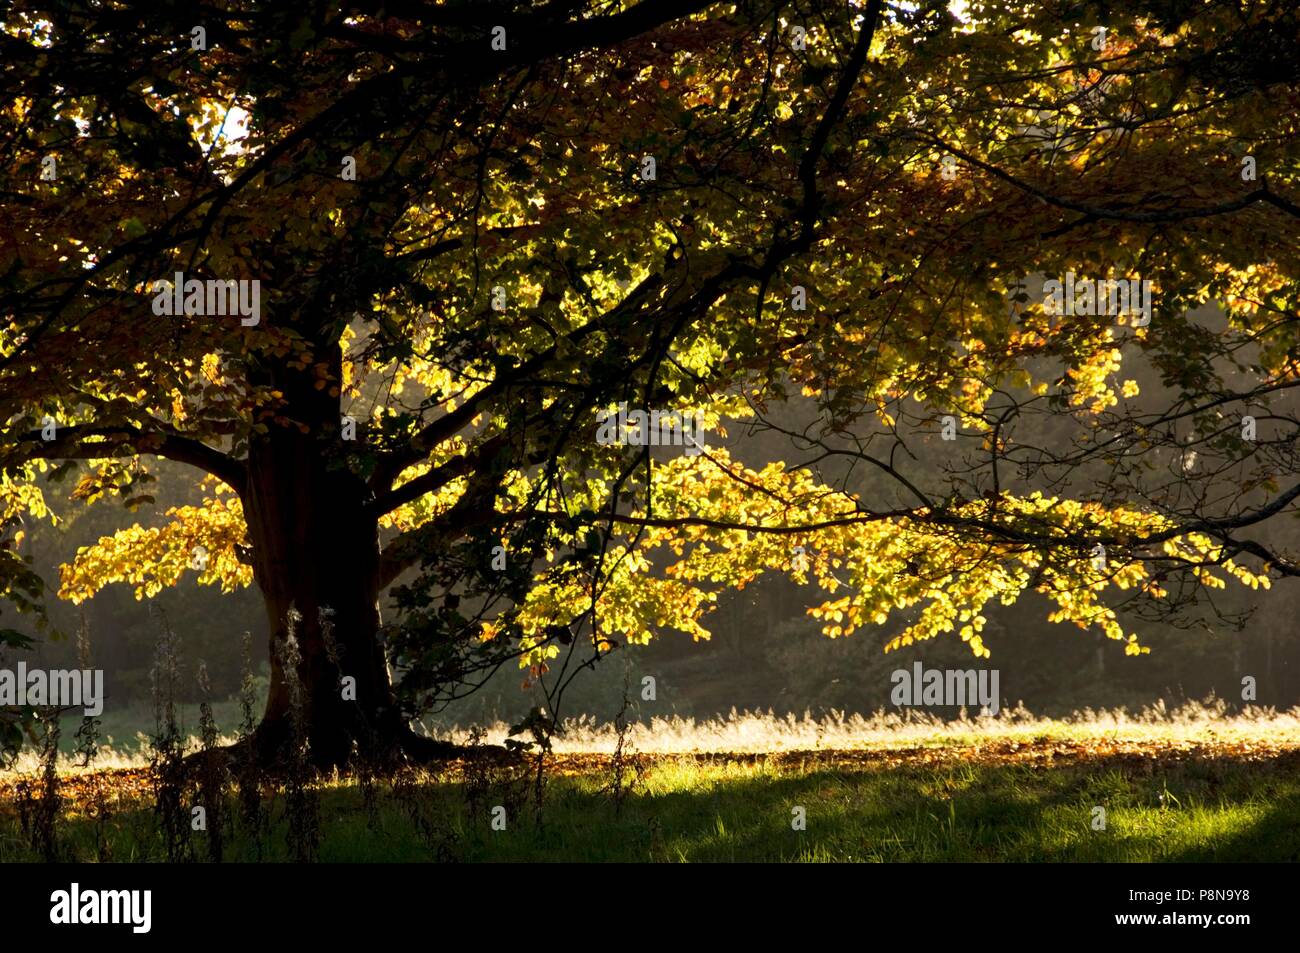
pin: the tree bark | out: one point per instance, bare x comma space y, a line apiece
315, 549
315, 546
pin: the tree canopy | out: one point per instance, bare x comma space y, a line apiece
478, 226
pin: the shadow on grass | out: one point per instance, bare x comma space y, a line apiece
1189, 810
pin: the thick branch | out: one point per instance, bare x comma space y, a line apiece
475, 507
438, 477
72, 443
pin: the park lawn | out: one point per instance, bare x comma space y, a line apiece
1034, 803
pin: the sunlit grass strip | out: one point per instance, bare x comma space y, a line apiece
1207, 722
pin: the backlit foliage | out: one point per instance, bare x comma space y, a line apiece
499, 271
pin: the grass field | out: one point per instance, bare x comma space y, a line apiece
1192, 785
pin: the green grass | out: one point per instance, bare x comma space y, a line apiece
1214, 809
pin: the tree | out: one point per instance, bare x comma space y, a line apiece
419, 252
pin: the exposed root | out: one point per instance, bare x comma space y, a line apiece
423, 750
409, 749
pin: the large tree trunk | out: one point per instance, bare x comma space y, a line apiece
315, 547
